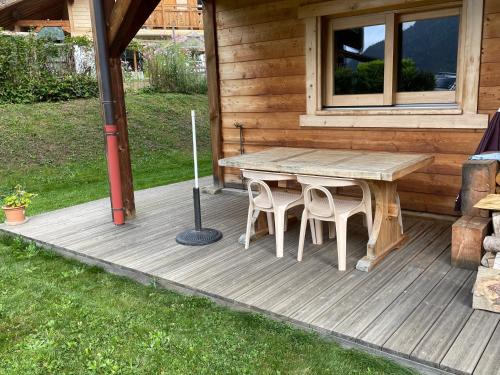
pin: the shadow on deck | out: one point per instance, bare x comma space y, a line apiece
413, 305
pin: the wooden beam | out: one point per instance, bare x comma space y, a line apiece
122, 124
126, 18
39, 24
122, 11
120, 116
212, 66
348, 7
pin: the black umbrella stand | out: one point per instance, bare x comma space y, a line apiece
198, 236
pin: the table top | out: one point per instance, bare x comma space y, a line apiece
366, 165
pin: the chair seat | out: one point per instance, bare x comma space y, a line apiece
281, 198
321, 207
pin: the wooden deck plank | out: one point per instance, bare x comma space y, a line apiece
382, 327
308, 310
324, 261
353, 295
440, 336
489, 364
361, 317
469, 346
411, 303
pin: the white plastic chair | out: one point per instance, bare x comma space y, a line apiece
320, 204
273, 201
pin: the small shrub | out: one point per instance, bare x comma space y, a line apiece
35, 69
18, 197
172, 69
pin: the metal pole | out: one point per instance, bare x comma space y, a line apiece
110, 128
196, 189
195, 151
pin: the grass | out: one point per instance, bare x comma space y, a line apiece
62, 317
56, 149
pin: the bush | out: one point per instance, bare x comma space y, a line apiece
35, 69
172, 69
369, 78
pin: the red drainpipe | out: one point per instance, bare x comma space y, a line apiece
110, 128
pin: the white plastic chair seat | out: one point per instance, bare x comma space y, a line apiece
321, 207
281, 198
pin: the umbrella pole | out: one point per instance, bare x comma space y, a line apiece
198, 236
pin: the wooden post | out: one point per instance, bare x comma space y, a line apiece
123, 144
467, 241
211, 57
121, 121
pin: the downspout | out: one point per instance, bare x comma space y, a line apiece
110, 128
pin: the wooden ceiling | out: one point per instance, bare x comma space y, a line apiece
15, 10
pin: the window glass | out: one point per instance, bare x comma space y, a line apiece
359, 60
428, 54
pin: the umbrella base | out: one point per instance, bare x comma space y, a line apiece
193, 237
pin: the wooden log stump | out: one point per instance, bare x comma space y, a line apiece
478, 180
487, 290
467, 241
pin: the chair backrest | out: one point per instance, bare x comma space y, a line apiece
311, 196
315, 184
265, 197
334, 182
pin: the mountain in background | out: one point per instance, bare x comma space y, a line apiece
432, 44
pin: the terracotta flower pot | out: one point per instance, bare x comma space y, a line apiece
14, 215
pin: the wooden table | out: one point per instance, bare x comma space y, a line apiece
380, 169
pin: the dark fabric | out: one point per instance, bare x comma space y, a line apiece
489, 142
491, 137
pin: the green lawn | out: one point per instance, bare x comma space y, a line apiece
56, 149
61, 317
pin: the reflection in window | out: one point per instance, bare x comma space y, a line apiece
359, 60
428, 54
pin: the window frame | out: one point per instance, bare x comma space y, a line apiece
462, 113
334, 24
390, 96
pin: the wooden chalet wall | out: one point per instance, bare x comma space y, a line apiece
79, 17
489, 84
262, 85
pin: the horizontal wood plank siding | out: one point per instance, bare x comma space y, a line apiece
262, 72
489, 85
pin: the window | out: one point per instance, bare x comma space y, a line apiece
397, 65
391, 59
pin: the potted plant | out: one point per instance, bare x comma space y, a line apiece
14, 205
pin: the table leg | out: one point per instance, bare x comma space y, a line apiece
387, 233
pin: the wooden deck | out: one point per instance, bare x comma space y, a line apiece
413, 305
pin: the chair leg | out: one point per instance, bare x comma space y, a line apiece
313, 231
302, 235
270, 222
279, 218
341, 225
318, 224
249, 227
285, 223
331, 230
